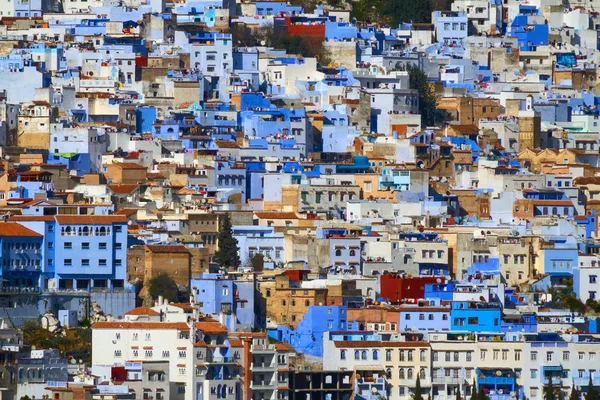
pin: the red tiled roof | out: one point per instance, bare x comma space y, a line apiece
142, 311
123, 188
283, 347
14, 229
276, 215
211, 327
32, 218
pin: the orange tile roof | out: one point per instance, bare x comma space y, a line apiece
32, 218
123, 188
142, 311
181, 326
211, 327
283, 347
276, 215
235, 343
14, 229
90, 219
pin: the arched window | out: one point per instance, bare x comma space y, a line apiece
401, 373
375, 354
409, 373
342, 354
357, 355
338, 253
422, 373
352, 253
388, 372
364, 355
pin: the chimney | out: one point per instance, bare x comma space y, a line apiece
160, 300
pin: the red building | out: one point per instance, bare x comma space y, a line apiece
311, 28
400, 288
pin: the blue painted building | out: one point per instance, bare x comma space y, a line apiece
472, 316
21, 258
82, 252
308, 337
217, 294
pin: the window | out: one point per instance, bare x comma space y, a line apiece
533, 373
357, 355
85, 263
182, 353
473, 320
117, 353
148, 353
469, 356
102, 262
549, 355
68, 245
342, 354
375, 354
482, 355
495, 355
388, 355
85, 246
102, 245
533, 356
565, 356
517, 355
68, 262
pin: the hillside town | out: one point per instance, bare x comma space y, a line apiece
265, 200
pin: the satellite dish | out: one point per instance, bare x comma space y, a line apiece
73, 361
262, 42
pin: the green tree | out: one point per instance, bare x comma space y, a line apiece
591, 394
418, 395
574, 395
162, 285
428, 101
549, 389
258, 262
474, 394
227, 255
458, 394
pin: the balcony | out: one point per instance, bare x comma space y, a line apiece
262, 385
496, 380
263, 367
449, 380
